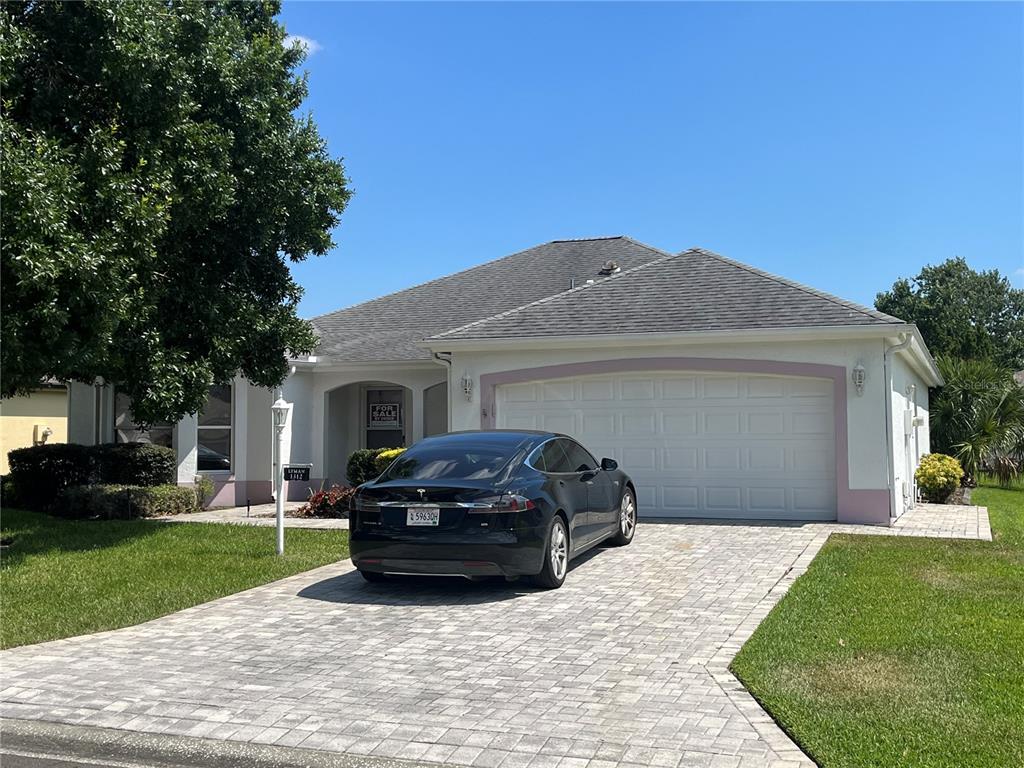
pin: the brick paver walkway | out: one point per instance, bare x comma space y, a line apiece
625, 665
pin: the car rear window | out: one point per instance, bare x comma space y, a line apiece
455, 461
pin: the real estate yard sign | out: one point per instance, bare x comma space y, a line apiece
385, 416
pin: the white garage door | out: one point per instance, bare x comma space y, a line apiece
697, 444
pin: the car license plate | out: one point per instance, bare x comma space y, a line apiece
422, 516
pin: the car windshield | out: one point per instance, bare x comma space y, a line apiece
451, 461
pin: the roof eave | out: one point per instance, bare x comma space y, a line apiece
801, 333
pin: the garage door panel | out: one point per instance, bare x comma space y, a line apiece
810, 388
638, 423
598, 423
559, 422
721, 387
519, 393
767, 499
681, 497
722, 458
638, 389
675, 460
679, 423
679, 388
766, 386
723, 499
558, 391
720, 422
812, 423
766, 423
767, 457
641, 458
597, 389
698, 445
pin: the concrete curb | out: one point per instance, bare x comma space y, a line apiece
31, 738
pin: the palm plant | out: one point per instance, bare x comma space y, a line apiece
978, 416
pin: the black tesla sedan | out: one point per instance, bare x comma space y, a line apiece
496, 503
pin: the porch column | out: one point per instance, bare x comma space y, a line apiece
186, 436
318, 434
419, 408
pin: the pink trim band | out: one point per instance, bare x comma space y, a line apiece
869, 506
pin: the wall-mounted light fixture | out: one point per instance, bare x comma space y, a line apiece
859, 376
467, 386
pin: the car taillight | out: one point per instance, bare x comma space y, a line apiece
507, 502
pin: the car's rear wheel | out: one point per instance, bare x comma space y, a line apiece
372, 576
627, 520
556, 556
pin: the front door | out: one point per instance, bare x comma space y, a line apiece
385, 418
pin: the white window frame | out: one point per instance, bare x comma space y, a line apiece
231, 438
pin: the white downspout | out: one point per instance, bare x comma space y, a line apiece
889, 459
445, 359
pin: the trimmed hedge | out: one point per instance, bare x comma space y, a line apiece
39, 473
135, 464
124, 502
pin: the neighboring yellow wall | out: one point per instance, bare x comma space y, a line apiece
19, 416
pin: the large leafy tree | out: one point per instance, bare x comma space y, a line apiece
962, 313
156, 182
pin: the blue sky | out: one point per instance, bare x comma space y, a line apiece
842, 145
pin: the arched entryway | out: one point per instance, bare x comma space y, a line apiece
367, 414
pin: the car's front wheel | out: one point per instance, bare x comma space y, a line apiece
556, 556
627, 520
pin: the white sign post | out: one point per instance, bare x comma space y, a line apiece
280, 409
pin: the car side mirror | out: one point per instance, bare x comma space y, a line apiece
609, 464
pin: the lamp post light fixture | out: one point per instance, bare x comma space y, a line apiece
859, 375
280, 410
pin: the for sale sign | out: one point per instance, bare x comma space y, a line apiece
385, 416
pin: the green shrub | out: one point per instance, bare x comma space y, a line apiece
938, 476
365, 464
41, 472
362, 466
8, 492
135, 464
385, 457
204, 490
124, 502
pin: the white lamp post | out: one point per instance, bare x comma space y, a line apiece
280, 410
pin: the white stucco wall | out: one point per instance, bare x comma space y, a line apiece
909, 395
865, 413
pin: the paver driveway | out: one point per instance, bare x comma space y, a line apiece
625, 664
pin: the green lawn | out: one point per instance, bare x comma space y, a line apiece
62, 578
902, 652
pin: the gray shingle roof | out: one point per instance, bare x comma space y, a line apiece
695, 290
389, 328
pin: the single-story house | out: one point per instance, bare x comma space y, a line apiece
725, 391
